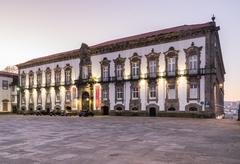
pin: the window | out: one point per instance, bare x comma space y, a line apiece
119, 93
135, 70
30, 98
31, 80
193, 92
105, 73
48, 78
171, 91
135, 93
5, 85
192, 64
84, 72
152, 91
171, 66
119, 71
58, 77
39, 98
13, 88
105, 94
58, 97
68, 76
152, 68
23, 80
39, 79
68, 96
48, 96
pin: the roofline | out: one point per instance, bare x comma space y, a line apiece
8, 74
135, 41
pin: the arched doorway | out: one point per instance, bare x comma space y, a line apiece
85, 101
152, 112
48, 109
105, 110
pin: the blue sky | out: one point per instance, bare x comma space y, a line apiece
31, 29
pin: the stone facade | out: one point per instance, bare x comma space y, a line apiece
173, 70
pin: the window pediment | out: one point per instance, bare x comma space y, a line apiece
152, 55
105, 62
135, 58
119, 60
193, 50
171, 53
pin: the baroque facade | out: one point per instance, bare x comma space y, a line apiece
175, 70
8, 92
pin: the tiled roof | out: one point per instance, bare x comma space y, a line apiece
154, 33
8, 74
75, 53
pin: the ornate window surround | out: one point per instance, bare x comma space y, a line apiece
57, 72
105, 87
135, 58
105, 63
117, 86
152, 83
171, 53
48, 72
23, 79
152, 56
193, 80
66, 69
39, 96
31, 79
191, 51
119, 61
39, 78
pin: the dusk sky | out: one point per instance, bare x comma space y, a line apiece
31, 28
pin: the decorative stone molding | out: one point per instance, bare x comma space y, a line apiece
153, 56
117, 107
31, 79
68, 70
23, 79
193, 107
171, 53
135, 59
135, 104
85, 60
57, 77
193, 80
105, 102
152, 83
191, 51
172, 103
48, 75
39, 78
119, 85
119, 61
105, 63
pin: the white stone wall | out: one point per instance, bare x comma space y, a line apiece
6, 94
96, 72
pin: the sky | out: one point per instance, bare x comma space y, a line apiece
35, 28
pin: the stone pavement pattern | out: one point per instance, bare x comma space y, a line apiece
117, 140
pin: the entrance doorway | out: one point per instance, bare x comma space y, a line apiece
105, 110
85, 101
152, 112
5, 105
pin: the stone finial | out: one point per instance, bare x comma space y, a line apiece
213, 18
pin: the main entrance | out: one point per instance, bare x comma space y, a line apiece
85, 101
105, 110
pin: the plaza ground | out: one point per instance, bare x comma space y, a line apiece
117, 140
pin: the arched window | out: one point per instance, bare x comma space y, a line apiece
48, 77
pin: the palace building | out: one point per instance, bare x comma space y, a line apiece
8, 92
174, 70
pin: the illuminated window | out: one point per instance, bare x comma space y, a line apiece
193, 92
68, 76
105, 94
152, 68
105, 72
171, 66
119, 93
68, 96
119, 71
